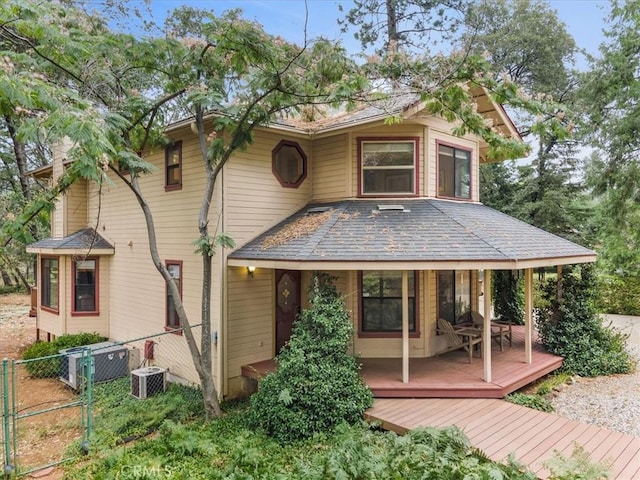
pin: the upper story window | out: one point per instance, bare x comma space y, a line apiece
388, 166
173, 167
381, 302
85, 283
49, 272
175, 270
289, 164
454, 172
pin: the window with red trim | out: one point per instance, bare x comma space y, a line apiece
49, 274
85, 286
381, 302
454, 295
173, 167
454, 172
175, 270
388, 166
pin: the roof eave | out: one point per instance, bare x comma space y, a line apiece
479, 264
71, 251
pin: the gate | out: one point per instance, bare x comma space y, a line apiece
40, 414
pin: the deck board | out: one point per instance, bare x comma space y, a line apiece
499, 428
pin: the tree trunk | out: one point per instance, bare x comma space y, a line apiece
202, 365
21, 158
392, 27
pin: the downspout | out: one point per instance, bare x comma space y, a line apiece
220, 364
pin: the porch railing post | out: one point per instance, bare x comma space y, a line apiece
486, 331
528, 315
405, 327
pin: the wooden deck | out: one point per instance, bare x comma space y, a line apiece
498, 428
449, 375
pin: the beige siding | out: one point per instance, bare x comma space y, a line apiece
250, 332
75, 207
137, 291
331, 168
434, 135
254, 200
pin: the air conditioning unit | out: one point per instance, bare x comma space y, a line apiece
110, 361
148, 381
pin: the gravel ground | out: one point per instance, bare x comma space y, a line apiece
611, 402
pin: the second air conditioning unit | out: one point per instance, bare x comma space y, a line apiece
148, 381
109, 360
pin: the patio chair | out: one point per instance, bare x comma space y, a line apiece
499, 330
463, 338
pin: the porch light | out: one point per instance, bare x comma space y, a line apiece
250, 270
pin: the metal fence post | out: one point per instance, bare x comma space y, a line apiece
87, 401
6, 422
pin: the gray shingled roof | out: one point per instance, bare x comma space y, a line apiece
428, 230
80, 240
382, 108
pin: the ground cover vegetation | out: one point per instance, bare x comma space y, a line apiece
168, 436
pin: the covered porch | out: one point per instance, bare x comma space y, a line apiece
449, 375
394, 254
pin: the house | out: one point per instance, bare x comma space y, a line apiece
392, 211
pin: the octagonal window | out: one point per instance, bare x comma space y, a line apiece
289, 164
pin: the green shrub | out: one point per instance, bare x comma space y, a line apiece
508, 301
50, 367
317, 384
46, 368
4, 290
570, 328
71, 340
552, 382
537, 402
620, 295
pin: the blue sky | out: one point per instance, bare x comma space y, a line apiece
584, 18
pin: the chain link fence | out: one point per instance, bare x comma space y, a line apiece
47, 403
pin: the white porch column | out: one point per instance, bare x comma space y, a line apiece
405, 327
528, 315
486, 331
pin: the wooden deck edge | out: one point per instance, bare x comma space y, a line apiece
532, 377
492, 391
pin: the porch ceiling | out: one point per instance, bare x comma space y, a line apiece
409, 234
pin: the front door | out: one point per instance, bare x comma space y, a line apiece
287, 304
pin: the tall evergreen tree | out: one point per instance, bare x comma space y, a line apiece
612, 91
